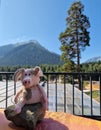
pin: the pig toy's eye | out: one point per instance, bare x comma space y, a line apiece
29, 74
25, 74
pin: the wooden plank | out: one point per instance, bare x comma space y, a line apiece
54, 121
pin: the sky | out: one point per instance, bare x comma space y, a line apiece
44, 20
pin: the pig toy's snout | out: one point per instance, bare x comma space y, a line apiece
26, 82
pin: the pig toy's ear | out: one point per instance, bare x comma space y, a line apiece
18, 74
38, 71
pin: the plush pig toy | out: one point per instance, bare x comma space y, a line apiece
30, 101
30, 92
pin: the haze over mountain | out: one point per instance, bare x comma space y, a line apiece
27, 53
93, 59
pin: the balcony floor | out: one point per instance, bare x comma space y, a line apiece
54, 121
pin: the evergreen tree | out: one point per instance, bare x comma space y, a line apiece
76, 37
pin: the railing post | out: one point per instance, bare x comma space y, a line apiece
6, 90
47, 86
14, 88
56, 94
81, 84
79, 81
65, 93
91, 95
100, 91
73, 93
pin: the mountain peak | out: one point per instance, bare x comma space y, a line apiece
27, 53
94, 59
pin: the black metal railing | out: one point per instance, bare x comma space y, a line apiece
68, 92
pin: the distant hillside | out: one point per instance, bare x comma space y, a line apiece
5, 49
28, 53
94, 59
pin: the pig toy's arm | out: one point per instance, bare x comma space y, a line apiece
17, 95
19, 102
44, 97
19, 106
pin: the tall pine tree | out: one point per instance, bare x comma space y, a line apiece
76, 37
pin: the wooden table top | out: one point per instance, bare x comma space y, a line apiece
55, 121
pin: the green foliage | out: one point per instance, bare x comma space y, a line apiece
44, 67
95, 95
91, 67
85, 83
50, 68
68, 67
76, 37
